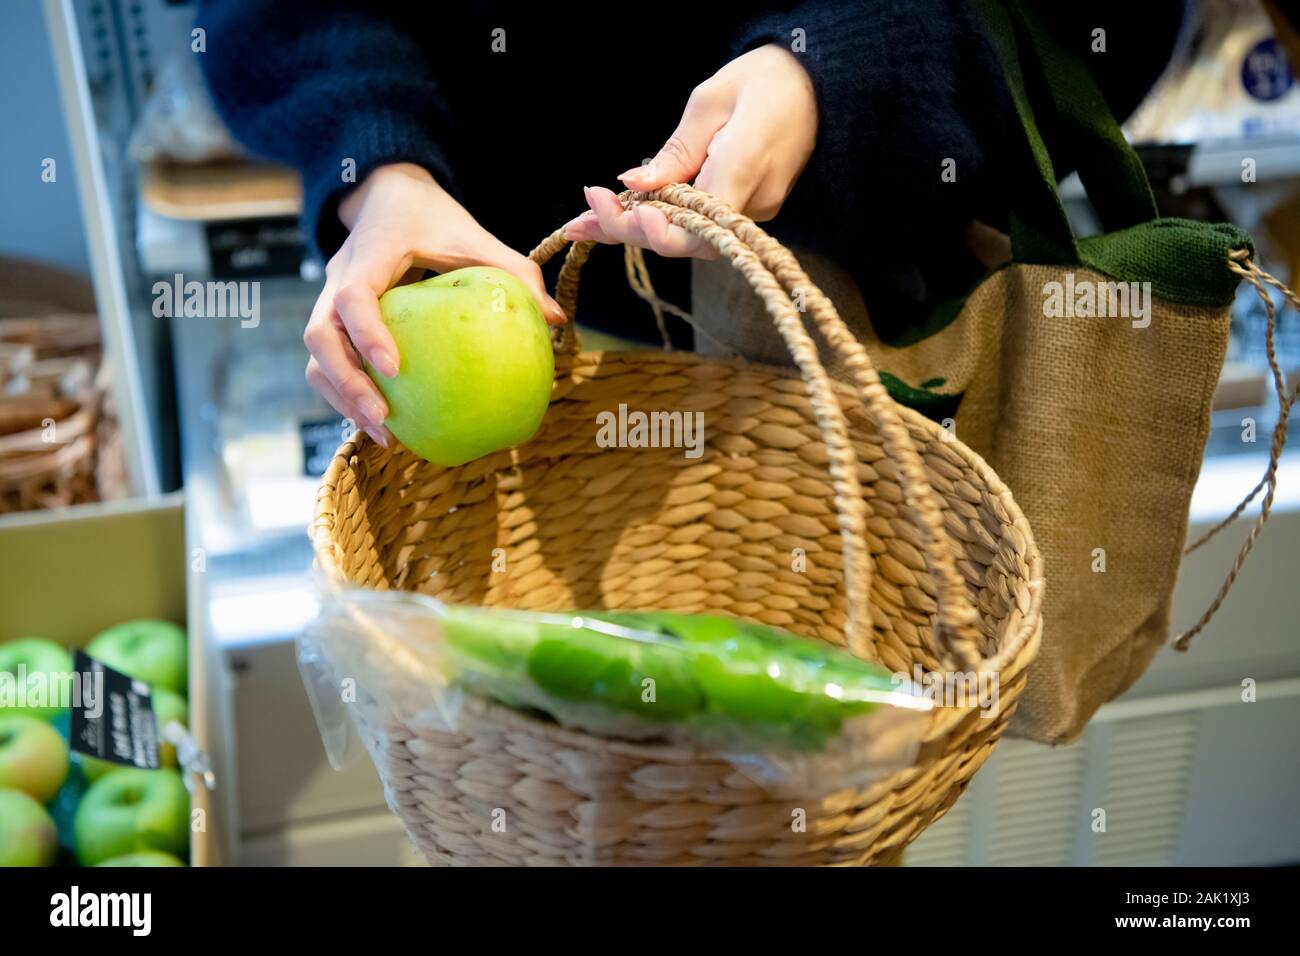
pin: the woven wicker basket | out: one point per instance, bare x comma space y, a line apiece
51, 462
50, 466
914, 553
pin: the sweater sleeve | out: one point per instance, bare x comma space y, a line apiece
904, 85
333, 93
888, 77
908, 90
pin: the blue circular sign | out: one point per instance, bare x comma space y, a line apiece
1265, 73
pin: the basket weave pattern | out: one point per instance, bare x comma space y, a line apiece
53, 463
758, 527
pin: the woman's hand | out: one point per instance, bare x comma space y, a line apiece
401, 222
745, 136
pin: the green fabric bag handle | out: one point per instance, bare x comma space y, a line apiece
1109, 167
1184, 260
1040, 228
1111, 171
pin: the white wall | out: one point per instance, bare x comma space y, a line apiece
40, 220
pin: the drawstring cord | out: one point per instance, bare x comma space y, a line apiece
1239, 261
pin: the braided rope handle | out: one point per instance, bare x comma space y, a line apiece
1239, 261
773, 273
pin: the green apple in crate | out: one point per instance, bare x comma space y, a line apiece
151, 651
27, 834
143, 858
476, 364
130, 811
33, 756
34, 657
168, 707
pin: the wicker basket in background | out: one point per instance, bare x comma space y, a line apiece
915, 554
59, 441
49, 412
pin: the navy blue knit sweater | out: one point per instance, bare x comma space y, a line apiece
575, 97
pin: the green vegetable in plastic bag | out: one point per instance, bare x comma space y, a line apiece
721, 676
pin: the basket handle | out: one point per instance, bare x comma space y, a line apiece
773, 273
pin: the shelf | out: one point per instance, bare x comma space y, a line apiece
1218, 163
216, 192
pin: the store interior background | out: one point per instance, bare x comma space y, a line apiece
224, 425
51, 219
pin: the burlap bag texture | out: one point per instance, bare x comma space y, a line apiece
1097, 427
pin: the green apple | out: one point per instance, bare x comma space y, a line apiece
152, 651
33, 757
24, 658
167, 708
131, 810
476, 364
143, 858
27, 834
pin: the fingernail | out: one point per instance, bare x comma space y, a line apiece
377, 434
371, 412
576, 228
385, 363
558, 312
586, 194
634, 171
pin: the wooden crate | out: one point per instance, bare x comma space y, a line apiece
66, 575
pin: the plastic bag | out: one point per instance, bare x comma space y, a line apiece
179, 122
795, 715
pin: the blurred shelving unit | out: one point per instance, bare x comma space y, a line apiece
1210, 165
97, 106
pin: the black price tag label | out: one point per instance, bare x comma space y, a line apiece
320, 440
249, 248
114, 721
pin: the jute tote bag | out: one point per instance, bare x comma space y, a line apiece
1081, 369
